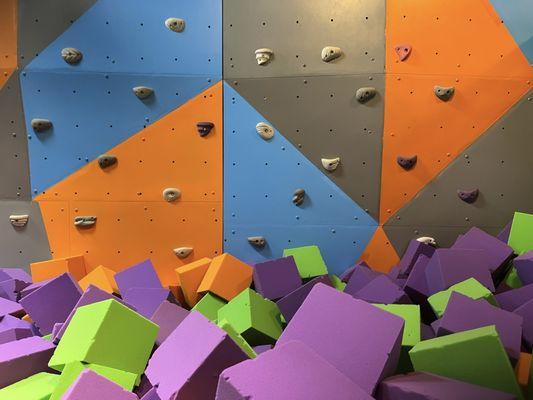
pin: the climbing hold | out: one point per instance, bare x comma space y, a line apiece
403, 51
204, 128
71, 55
85, 221
40, 124
263, 56
406, 162
331, 164
298, 196
444, 93
175, 24
183, 252
257, 241
427, 240
264, 130
171, 194
19, 220
468, 196
143, 92
330, 53
106, 160
364, 94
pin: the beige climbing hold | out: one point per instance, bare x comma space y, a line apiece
175, 24
331, 164
183, 252
264, 130
19, 220
263, 56
257, 241
71, 55
330, 53
427, 240
171, 194
84, 221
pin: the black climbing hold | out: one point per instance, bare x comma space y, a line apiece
257, 241
143, 92
444, 93
106, 160
41, 124
204, 128
85, 221
365, 94
298, 196
71, 55
406, 162
468, 196
403, 51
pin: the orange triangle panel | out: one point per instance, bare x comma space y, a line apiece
379, 252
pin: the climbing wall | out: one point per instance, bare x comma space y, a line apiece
354, 125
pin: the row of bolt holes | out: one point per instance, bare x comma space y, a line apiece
289, 240
118, 252
264, 23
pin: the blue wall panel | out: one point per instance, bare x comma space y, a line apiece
260, 177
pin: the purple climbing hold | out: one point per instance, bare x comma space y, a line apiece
403, 51
468, 196
406, 162
204, 128
139, 275
524, 267
276, 278
167, 316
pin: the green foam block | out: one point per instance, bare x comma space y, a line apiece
308, 260
209, 306
476, 356
255, 318
337, 283
512, 279
108, 334
243, 344
36, 387
470, 287
521, 235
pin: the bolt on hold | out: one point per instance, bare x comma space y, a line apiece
257, 241
71, 55
183, 252
264, 130
204, 128
263, 56
175, 24
19, 220
330, 53
298, 197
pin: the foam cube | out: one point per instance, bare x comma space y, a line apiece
421, 385
414, 250
107, 333
291, 371
382, 290
416, 286
336, 325
512, 279
90, 385
476, 356
15, 273
52, 302
226, 277
524, 267
101, 277
237, 338
12, 334
359, 278
146, 300
203, 350
167, 316
35, 387
522, 370
139, 275
503, 235
12, 282
526, 312
190, 276
209, 305
346, 275
33, 287
262, 348
308, 260
470, 287
255, 318
464, 313
151, 395
44, 270
520, 238
9, 307
450, 266
276, 278
22, 358
337, 283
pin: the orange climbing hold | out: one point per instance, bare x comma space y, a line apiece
75, 265
190, 276
101, 277
379, 252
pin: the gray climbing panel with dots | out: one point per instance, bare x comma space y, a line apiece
321, 116
495, 165
41, 22
20, 246
297, 31
15, 176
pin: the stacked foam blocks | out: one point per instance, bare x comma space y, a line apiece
445, 323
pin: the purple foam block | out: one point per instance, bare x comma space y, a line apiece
16, 273
512, 299
360, 340
12, 334
450, 266
276, 278
526, 312
8, 307
394, 273
463, 313
422, 385
416, 285
11, 289
151, 395
289, 304
144, 387
190, 360
52, 302
346, 275
414, 250
9, 322
290, 371
167, 316
427, 332
90, 386
146, 300
524, 267
140, 275
22, 358
383, 291
360, 278
262, 348
33, 287
505, 232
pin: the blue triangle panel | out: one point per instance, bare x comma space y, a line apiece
131, 36
91, 113
259, 180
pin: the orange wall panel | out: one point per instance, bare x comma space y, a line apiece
379, 253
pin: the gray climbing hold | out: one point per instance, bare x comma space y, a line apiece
468, 196
143, 92
204, 128
263, 56
427, 240
331, 164
365, 94
41, 124
298, 196
175, 24
71, 55
403, 51
183, 252
264, 130
19, 220
330, 53
444, 93
406, 162
257, 241
171, 194
84, 221
106, 160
